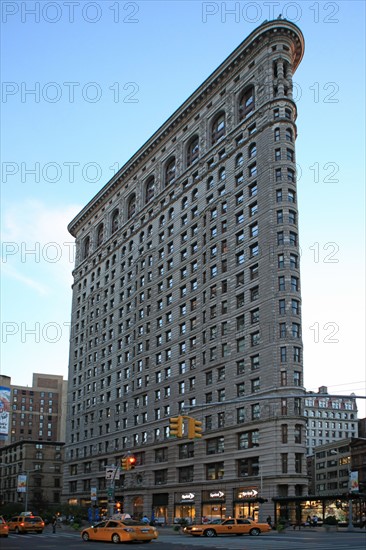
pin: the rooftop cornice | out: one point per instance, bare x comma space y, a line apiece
231, 62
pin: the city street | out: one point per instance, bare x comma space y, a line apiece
301, 540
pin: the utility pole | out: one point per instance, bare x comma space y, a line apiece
111, 488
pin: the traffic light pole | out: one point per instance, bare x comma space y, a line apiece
111, 499
128, 463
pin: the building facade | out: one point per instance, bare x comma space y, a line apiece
186, 300
329, 418
37, 412
336, 481
31, 475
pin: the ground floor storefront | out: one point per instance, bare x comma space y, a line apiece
186, 506
314, 509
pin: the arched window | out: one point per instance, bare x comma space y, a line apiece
288, 114
252, 150
210, 183
115, 220
86, 247
194, 194
170, 171
149, 189
100, 234
192, 150
131, 207
288, 134
218, 128
162, 221
239, 160
246, 103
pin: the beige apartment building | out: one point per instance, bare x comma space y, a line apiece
187, 300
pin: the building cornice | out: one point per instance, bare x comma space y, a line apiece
277, 26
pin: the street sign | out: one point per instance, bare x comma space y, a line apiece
93, 493
111, 473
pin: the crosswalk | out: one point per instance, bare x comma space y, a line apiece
48, 534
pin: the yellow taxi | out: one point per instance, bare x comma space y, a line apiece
230, 526
4, 529
26, 524
116, 531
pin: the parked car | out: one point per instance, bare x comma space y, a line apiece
4, 529
228, 527
26, 524
116, 531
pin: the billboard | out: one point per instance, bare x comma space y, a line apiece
4, 411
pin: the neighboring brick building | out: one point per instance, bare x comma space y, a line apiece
32, 440
187, 292
37, 412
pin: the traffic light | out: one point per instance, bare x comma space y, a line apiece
131, 462
194, 428
124, 463
176, 426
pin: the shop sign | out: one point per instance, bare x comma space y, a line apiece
249, 493
217, 494
187, 496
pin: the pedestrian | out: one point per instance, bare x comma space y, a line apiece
145, 519
315, 520
363, 521
269, 521
54, 524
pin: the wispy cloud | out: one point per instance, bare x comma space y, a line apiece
36, 242
11, 272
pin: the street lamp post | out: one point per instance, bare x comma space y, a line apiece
26, 486
26, 473
350, 515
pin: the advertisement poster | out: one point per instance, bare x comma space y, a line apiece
354, 482
4, 411
22, 484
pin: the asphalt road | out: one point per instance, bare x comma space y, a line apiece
289, 540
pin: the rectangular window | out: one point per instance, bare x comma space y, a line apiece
215, 471
255, 409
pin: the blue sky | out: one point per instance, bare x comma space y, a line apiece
85, 84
